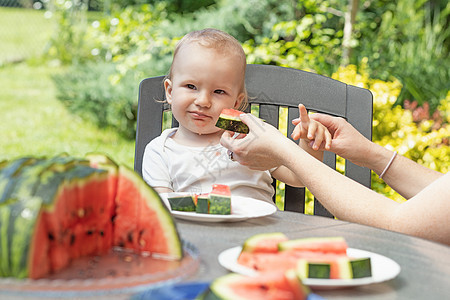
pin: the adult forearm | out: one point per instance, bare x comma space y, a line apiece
403, 175
343, 197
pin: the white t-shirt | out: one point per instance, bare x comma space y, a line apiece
195, 169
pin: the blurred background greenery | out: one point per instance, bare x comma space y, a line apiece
70, 69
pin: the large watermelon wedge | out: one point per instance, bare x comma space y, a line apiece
56, 210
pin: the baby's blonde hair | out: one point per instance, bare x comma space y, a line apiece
219, 41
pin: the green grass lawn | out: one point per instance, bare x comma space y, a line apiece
24, 33
34, 122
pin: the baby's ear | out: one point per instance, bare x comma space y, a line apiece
168, 89
239, 100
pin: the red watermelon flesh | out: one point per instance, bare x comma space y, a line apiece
39, 250
77, 221
105, 211
317, 257
221, 189
336, 245
128, 203
231, 113
263, 262
147, 231
269, 262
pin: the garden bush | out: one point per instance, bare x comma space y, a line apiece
86, 90
408, 40
424, 140
311, 41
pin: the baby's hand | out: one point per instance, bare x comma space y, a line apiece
316, 134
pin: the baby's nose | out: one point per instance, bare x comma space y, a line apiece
203, 99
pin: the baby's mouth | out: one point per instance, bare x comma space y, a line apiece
199, 115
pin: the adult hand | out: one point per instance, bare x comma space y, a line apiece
347, 142
258, 149
312, 132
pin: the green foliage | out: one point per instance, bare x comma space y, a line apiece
86, 90
425, 141
185, 6
23, 40
124, 49
35, 123
408, 40
242, 19
311, 41
130, 38
67, 43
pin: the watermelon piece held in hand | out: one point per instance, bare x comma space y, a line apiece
229, 120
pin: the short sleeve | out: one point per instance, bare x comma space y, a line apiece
155, 170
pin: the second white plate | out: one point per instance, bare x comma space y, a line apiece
242, 208
383, 269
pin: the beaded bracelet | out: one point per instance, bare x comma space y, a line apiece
388, 165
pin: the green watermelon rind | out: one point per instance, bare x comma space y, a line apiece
358, 267
27, 209
202, 205
251, 242
13, 203
10, 174
291, 244
231, 124
219, 204
182, 203
219, 288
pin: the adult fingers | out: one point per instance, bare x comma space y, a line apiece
312, 131
227, 140
328, 140
296, 133
326, 120
303, 113
251, 121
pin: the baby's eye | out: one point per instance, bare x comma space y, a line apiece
191, 86
220, 92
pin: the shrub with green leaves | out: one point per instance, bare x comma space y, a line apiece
395, 128
408, 40
87, 91
124, 49
311, 41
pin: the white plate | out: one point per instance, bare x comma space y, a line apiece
383, 269
242, 208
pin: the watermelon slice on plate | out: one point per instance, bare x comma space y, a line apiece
321, 262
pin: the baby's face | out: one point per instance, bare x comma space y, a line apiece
204, 81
